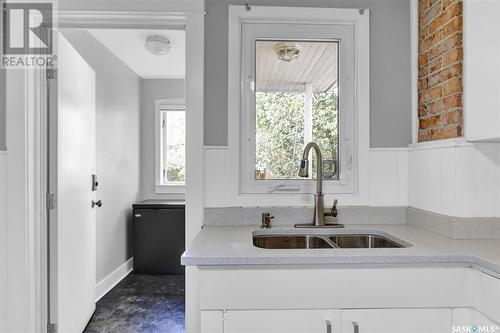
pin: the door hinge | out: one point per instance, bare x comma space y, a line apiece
51, 73
51, 328
50, 201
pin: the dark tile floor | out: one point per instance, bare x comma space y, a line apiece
141, 303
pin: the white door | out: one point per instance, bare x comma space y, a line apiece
72, 222
396, 321
282, 321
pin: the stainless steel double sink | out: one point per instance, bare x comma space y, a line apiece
370, 240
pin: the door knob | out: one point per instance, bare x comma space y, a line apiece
96, 203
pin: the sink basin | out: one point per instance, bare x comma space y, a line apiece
364, 242
325, 241
292, 242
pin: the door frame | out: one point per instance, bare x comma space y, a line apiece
29, 156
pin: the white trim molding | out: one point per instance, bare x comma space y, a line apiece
414, 69
359, 19
26, 214
133, 6
105, 285
121, 20
3, 241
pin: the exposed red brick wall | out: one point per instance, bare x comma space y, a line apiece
440, 69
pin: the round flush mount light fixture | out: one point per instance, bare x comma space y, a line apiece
287, 52
157, 44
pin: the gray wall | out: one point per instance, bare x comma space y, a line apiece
151, 90
117, 138
3, 145
390, 91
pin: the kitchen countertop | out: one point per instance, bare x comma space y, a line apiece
233, 246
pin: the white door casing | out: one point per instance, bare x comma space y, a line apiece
72, 222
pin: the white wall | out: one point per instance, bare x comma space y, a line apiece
117, 139
150, 91
456, 178
386, 184
3, 239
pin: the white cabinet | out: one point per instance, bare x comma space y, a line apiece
481, 70
282, 321
330, 321
396, 321
385, 300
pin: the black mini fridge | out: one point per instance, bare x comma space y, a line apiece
159, 236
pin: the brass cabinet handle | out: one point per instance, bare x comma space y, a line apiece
356, 327
328, 326
96, 203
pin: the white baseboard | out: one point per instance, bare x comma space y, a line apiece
106, 284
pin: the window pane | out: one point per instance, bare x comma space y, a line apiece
174, 150
296, 101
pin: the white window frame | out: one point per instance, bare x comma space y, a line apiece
354, 142
162, 104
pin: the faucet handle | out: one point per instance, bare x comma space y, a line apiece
266, 221
334, 210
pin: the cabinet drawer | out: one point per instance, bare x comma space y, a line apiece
282, 321
396, 321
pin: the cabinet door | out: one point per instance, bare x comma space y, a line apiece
282, 321
211, 322
396, 321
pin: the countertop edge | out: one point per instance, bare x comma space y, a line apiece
359, 261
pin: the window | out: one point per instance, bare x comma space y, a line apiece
296, 102
298, 86
170, 146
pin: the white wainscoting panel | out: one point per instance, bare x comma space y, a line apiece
456, 178
387, 185
389, 177
432, 180
3, 241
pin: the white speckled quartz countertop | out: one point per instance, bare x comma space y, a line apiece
233, 246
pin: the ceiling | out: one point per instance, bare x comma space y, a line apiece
316, 64
128, 45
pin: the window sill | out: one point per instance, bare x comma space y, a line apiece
170, 189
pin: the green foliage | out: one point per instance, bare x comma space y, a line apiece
325, 124
280, 131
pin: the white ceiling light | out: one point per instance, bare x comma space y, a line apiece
287, 52
157, 44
